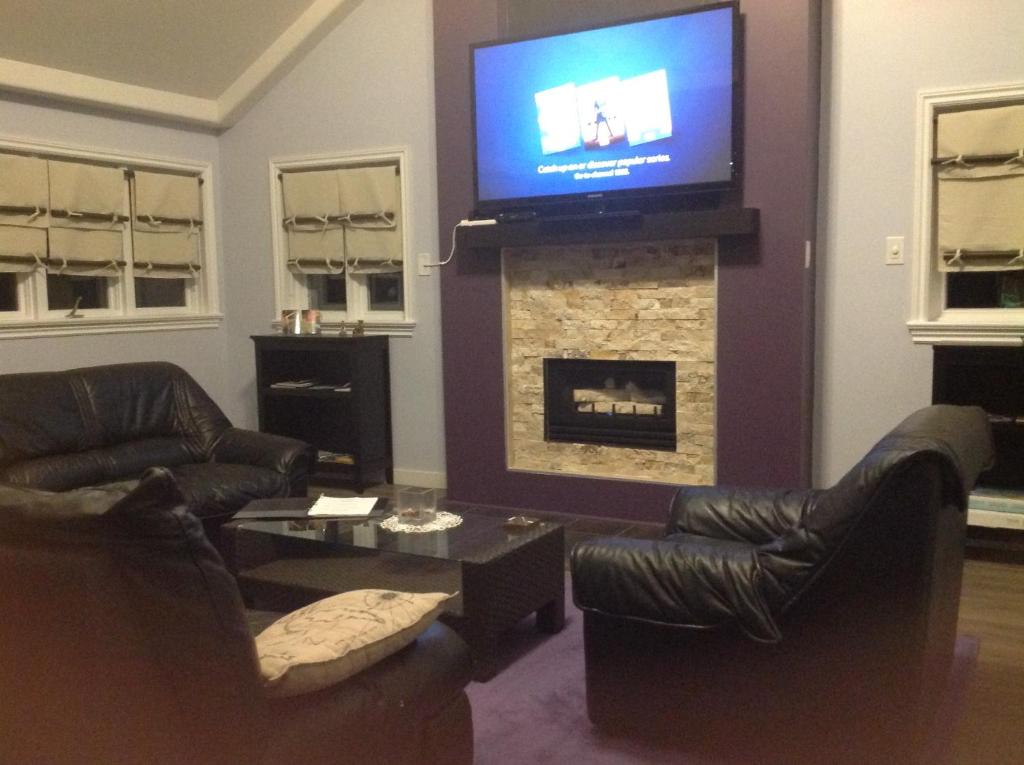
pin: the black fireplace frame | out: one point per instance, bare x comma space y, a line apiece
563, 423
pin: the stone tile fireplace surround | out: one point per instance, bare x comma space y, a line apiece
629, 301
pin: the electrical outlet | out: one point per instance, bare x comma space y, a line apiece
894, 251
421, 264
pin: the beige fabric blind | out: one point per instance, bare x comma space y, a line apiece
311, 194
317, 252
93, 195
373, 238
88, 238
313, 220
999, 130
160, 196
368, 191
343, 218
980, 203
23, 183
22, 248
166, 254
85, 251
166, 225
374, 250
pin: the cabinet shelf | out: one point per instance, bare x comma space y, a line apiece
308, 393
355, 422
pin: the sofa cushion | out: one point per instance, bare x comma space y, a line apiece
218, 489
128, 461
334, 638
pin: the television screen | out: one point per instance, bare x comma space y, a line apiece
642, 107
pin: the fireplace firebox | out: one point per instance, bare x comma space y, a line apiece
614, 403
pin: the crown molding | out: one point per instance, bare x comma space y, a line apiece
217, 113
33, 79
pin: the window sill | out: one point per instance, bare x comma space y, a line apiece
999, 326
107, 325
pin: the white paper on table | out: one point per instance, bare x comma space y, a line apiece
350, 507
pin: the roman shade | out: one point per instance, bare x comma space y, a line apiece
343, 218
87, 205
373, 239
22, 248
980, 189
313, 220
24, 206
166, 225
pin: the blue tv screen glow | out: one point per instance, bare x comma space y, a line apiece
636, 108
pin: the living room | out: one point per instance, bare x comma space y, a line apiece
830, 162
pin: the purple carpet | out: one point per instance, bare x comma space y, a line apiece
534, 711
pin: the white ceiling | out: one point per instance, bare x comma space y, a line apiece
199, 61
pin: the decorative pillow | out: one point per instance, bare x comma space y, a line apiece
334, 638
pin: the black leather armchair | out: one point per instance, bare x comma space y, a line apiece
98, 425
125, 642
812, 625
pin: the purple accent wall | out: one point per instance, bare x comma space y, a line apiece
765, 308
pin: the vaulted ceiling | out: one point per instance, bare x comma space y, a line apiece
201, 62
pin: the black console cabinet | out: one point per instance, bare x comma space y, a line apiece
992, 378
343, 406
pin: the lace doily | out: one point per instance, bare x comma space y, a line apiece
440, 523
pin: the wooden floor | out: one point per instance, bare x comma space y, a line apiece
992, 609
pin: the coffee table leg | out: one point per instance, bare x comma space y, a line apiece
551, 616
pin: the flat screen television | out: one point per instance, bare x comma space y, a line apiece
610, 116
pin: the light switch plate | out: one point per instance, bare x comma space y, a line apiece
894, 251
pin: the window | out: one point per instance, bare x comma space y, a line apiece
339, 239
8, 292
969, 265
97, 242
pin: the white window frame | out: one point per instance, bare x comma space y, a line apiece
290, 290
202, 295
931, 322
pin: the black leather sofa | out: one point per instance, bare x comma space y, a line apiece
125, 643
791, 626
98, 425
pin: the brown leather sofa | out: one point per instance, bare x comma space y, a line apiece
791, 626
125, 643
98, 425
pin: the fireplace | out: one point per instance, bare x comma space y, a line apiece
625, 335
614, 403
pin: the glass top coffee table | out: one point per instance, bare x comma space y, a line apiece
502, 572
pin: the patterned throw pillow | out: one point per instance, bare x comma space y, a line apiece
334, 638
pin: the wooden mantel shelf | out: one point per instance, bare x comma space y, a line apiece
613, 227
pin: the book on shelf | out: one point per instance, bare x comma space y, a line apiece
999, 500
288, 384
335, 458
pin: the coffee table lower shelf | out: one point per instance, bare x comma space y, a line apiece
498, 586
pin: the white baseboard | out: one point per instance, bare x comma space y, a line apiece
994, 520
425, 478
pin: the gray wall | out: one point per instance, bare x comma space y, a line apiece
201, 352
879, 54
367, 85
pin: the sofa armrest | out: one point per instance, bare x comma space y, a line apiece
757, 516
684, 581
289, 456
